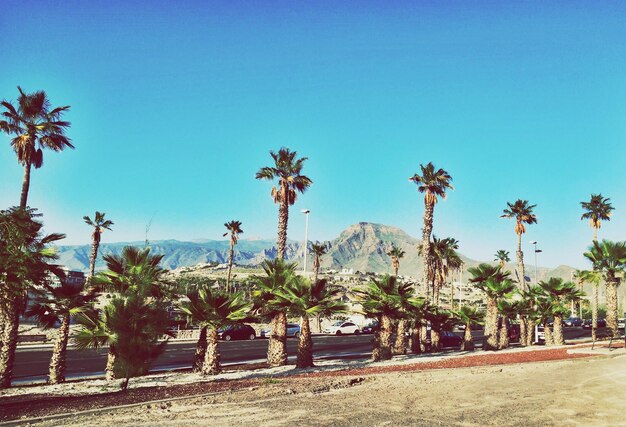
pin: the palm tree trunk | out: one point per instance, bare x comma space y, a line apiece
429, 208
558, 330
231, 254
25, 186
491, 325
503, 334
423, 335
416, 346
523, 331
435, 339
547, 334
611, 307
399, 346
468, 340
110, 369
594, 312
9, 342
520, 264
211, 365
382, 351
283, 220
276, 348
95, 244
305, 345
200, 350
595, 234
529, 325
56, 372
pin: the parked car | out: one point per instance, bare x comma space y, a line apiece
475, 327
371, 328
293, 330
587, 323
239, 331
447, 339
621, 322
342, 328
573, 321
514, 332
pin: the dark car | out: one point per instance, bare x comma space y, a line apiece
514, 332
371, 328
573, 321
587, 323
447, 339
240, 331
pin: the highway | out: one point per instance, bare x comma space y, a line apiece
31, 362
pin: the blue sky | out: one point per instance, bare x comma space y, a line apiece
175, 107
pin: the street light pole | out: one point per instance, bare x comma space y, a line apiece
306, 237
536, 252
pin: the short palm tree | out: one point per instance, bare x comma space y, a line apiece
279, 275
381, 299
558, 293
496, 284
508, 310
523, 214
596, 210
395, 253
304, 300
469, 316
35, 126
287, 169
502, 257
609, 258
433, 183
99, 224
234, 230
440, 320
58, 305
214, 309
407, 313
318, 250
594, 278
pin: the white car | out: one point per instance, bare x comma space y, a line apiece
621, 322
341, 328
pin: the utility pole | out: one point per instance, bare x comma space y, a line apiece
306, 237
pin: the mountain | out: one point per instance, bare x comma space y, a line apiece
361, 247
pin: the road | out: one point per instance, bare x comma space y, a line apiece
31, 363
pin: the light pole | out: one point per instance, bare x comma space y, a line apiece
536, 252
306, 237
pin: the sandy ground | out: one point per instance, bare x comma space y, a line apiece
587, 391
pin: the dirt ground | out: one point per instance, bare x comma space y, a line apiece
585, 391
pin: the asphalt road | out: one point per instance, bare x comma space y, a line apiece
31, 363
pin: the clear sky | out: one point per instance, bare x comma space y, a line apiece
175, 106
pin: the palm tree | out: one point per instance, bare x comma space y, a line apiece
609, 258
407, 312
433, 183
309, 299
25, 263
523, 214
439, 320
597, 209
99, 224
496, 284
35, 126
279, 275
445, 259
395, 253
287, 170
381, 299
593, 277
234, 229
502, 257
133, 326
508, 310
559, 292
318, 250
214, 309
469, 316
57, 305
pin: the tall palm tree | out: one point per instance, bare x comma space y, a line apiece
395, 253
593, 277
609, 258
444, 259
58, 305
26, 261
523, 214
597, 209
433, 183
214, 309
381, 299
310, 299
502, 257
496, 284
279, 275
234, 230
318, 250
287, 170
99, 224
35, 126
469, 316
